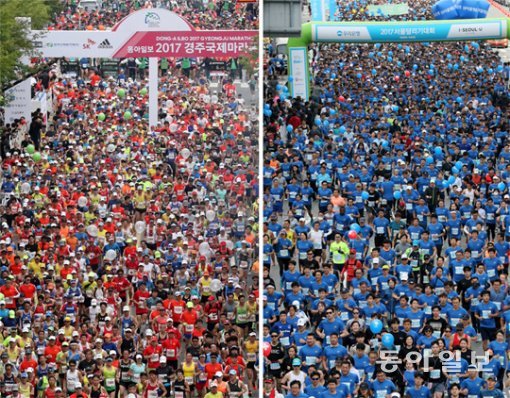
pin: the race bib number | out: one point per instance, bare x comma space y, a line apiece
275, 366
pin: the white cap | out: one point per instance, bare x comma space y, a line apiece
126, 308
77, 385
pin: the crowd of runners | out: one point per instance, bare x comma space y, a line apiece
128, 253
387, 221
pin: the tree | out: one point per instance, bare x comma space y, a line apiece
249, 61
15, 37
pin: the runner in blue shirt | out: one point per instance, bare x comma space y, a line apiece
335, 390
295, 390
472, 385
485, 312
381, 386
418, 390
491, 391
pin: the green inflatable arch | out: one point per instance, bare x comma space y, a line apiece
384, 32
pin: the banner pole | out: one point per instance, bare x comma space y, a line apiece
153, 92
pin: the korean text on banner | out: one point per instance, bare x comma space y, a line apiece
18, 102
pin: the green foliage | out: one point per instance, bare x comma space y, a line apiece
250, 60
15, 40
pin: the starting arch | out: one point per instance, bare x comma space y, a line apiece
383, 32
152, 33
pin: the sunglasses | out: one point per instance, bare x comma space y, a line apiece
329, 313
315, 379
274, 336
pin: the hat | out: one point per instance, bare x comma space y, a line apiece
189, 304
385, 266
404, 278
218, 374
77, 385
213, 384
404, 257
296, 362
301, 322
472, 367
232, 372
162, 359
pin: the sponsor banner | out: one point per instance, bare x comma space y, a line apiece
18, 102
226, 43
80, 44
298, 70
409, 32
246, 1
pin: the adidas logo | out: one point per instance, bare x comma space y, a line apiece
105, 44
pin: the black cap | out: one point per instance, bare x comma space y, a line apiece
419, 374
363, 386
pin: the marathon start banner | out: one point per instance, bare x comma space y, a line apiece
394, 32
219, 43
146, 33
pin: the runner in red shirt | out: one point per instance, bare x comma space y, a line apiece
152, 353
189, 318
10, 292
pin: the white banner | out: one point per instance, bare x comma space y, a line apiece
18, 102
297, 66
